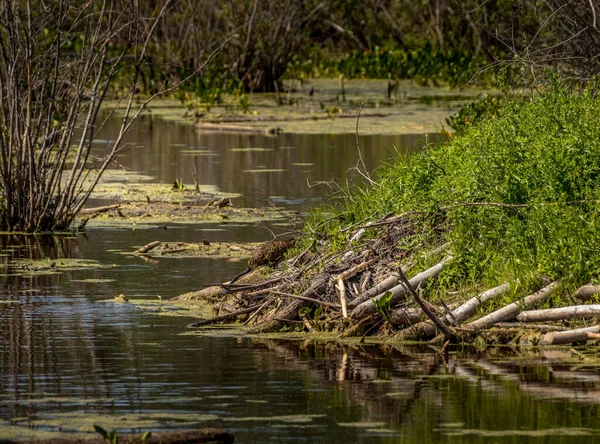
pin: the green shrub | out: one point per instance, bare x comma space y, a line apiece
518, 192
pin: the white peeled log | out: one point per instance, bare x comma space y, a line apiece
367, 308
587, 292
569, 336
462, 313
511, 311
560, 314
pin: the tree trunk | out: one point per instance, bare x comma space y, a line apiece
512, 310
560, 314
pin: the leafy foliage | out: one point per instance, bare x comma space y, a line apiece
518, 193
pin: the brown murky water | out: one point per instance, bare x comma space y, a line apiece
68, 360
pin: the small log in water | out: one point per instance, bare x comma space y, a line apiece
399, 291
560, 314
569, 336
146, 248
512, 310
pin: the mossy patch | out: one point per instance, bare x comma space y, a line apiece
32, 267
217, 250
158, 213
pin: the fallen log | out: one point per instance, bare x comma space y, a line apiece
101, 209
237, 128
560, 314
146, 248
512, 310
465, 311
569, 336
587, 292
399, 291
404, 317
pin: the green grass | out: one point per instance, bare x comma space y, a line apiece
542, 152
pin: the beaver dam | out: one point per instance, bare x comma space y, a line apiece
366, 291
491, 236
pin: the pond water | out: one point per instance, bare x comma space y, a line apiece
69, 360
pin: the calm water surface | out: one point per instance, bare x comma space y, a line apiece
69, 360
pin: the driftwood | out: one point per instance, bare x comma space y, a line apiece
399, 291
462, 313
237, 128
99, 210
146, 248
569, 336
560, 314
587, 292
512, 310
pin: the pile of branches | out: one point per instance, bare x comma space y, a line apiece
366, 291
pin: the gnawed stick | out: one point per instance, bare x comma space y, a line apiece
225, 317
146, 248
568, 336
347, 275
342, 290
462, 313
307, 299
560, 314
399, 291
513, 309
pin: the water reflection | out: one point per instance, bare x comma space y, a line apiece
260, 167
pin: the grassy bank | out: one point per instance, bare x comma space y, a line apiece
504, 212
516, 194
